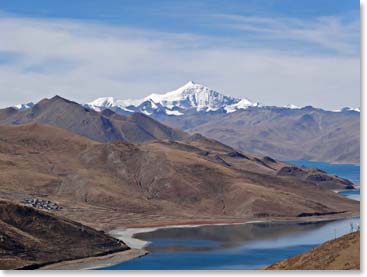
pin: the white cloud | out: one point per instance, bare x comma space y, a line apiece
340, 34
83, 61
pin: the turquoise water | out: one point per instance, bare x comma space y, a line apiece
244, 246
348, 171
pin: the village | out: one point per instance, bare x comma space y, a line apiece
42, 204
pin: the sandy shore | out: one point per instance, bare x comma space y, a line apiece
97, 262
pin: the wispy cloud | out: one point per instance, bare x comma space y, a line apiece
82, 61
337, 33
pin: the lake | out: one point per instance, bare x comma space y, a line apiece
348, 171
241, 246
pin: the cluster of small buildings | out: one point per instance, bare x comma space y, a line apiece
42, 204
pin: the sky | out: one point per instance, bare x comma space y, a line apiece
276, 52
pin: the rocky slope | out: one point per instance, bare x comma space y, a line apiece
30, 238
340, 254
112, 184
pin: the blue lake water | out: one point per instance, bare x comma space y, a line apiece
353, 194
348, 171
242, 246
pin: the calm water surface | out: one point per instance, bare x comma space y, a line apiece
244, 246
348, 171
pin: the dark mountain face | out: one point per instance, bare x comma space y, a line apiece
102, 126
285, 134
30, 237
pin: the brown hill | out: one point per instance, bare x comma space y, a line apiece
103, 127
109, 184
340, 254
285, 134
30, 238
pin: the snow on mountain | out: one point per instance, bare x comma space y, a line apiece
241, 105
22, 107
191, 96
110, 103
292, 107
347, 109
103, 103
177, 113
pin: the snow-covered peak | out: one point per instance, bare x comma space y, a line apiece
104, 101
241, 105
21, 107
191, 96
347, 109
111, 103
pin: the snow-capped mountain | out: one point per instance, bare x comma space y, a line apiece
348, 109
292, 107
191, 97
22, 107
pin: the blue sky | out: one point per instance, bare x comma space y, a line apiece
273, 51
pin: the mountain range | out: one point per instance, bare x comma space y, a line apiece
107, 170
285, 133
187, 99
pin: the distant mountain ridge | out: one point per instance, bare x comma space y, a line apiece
189, 98
21, 107
285, 133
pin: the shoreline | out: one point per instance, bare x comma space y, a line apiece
332, 163
127, 234
137, 246
96, 262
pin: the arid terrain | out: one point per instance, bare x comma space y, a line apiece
30, 238
108, 171
299, 134
339, 254
108, 184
